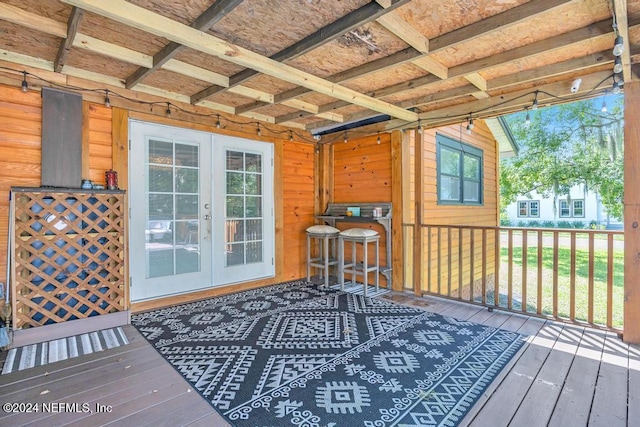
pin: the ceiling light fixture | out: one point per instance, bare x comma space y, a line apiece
107, 101
25, 85
168, 112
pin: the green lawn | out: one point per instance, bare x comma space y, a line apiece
582, 277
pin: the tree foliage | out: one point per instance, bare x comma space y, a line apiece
567, 145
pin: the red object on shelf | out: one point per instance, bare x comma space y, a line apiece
111, 177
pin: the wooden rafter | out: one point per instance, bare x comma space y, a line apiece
206, 20
478, 29
153, 23
350, 21
67, 43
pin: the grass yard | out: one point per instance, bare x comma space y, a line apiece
600, 266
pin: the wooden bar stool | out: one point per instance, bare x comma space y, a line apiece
326, 236
357, 236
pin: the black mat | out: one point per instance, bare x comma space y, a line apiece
296, 354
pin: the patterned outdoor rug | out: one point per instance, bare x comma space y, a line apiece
40, 354
301, 355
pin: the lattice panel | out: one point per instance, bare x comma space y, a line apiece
69, 255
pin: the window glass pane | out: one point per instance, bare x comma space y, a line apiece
254, 207
160, 152
160, 262
254, 162
235, 206
187, 180
235, 183
160, 178
254, 252
187, 155
160, 206
254, 229
235, 160
234, 228
235, 254
449, 162
187, 260
187, 207
253, 184
564, 209
472, 168
449, 188
471, 191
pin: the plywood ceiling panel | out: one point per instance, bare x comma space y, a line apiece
100, 64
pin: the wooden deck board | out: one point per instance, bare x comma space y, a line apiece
564, 375
609, 407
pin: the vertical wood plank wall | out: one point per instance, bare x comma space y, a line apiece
484, 215
298, 206
362, 173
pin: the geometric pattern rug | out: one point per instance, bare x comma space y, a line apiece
30, 356
297, 354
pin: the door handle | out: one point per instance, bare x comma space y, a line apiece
207, 217
206, 206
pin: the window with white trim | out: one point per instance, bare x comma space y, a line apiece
572, 209
528, 209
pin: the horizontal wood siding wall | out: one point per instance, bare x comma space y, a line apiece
20, 148
362, 174
298, 188
486, 214
100, 142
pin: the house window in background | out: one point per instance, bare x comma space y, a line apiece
573, 208
529, 209
459, 168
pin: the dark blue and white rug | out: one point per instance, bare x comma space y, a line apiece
296, 354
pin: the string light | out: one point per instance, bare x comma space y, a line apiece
535, 102
25, 85
420, 130
290, 135
617, 65
470, 125
345, 137
618, 45
378, 140
168, 111
107, 101
616, 88
604, 103
527, 119
259, 131
218, 125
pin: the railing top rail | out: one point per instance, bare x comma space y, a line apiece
528, 229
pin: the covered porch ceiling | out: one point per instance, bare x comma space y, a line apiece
315, 65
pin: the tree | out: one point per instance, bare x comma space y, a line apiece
567, 145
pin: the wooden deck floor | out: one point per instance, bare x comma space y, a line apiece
564, 376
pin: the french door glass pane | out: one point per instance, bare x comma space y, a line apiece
243, 209
173, 199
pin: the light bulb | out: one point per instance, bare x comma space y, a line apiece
618, 46
345, 138
604, 106
470, 123
616, 88
290, 136
378, 140
259, 130
168, 112
420, 127
107, 101
218, 125
617, 65
527, 120
468, 129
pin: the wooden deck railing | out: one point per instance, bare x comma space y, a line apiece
564, 274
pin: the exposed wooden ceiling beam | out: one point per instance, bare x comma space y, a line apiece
622, 21
508, 18
206, 20
153, 23
348, 22
67, 43
500, 21
31, 20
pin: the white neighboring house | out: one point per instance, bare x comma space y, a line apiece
579, 206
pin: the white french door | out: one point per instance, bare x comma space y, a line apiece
201, 210
243, 237
170, 201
